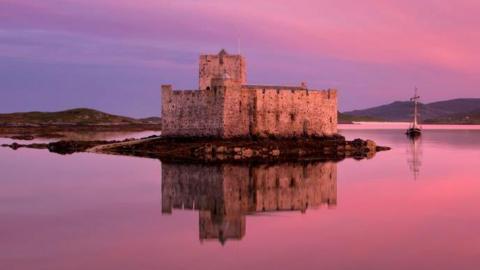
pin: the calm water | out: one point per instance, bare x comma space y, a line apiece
414, 207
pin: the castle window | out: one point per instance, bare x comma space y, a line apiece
263, 91
305, 128
292, 116
329, 94
331, 119
278, 91
305, 172
208, 87
240, 107
292, 182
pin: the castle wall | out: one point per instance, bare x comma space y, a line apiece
224, 106
192, 113
280, 111
217, 66
238, 112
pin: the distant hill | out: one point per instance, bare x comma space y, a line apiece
348, 119
461, 111
470, 118
152, 120
80, 116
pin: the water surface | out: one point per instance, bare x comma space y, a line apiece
412, 207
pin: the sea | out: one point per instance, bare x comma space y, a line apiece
413, 207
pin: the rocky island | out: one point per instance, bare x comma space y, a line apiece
226, 150
228, 120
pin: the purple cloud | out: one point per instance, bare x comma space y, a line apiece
373, 51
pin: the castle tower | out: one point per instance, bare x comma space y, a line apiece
221, 65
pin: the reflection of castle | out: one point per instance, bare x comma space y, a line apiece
224, 194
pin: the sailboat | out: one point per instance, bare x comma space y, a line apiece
414, 130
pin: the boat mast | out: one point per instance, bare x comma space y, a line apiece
415, 102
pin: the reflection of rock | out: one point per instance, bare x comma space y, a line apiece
24, 137
224, 194
213, 150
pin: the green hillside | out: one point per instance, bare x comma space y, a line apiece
470, 118
348, 119
80, 116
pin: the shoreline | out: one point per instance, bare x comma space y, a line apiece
403, 125
221, 150
27, 133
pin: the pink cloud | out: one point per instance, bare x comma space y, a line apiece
373, 49
433, 32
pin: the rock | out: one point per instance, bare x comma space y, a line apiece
208, 148
25, 137
371, 145
15, 146
275, 152
246, 152
357, 142
382, 148
371, 154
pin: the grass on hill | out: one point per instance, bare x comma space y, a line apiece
80, 116
344, 118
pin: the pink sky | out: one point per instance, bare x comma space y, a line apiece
372, 51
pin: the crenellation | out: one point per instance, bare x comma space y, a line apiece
221, 65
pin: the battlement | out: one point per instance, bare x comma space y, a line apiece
221, 65
328, 93
274, 87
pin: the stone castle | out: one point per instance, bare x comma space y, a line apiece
226, 106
